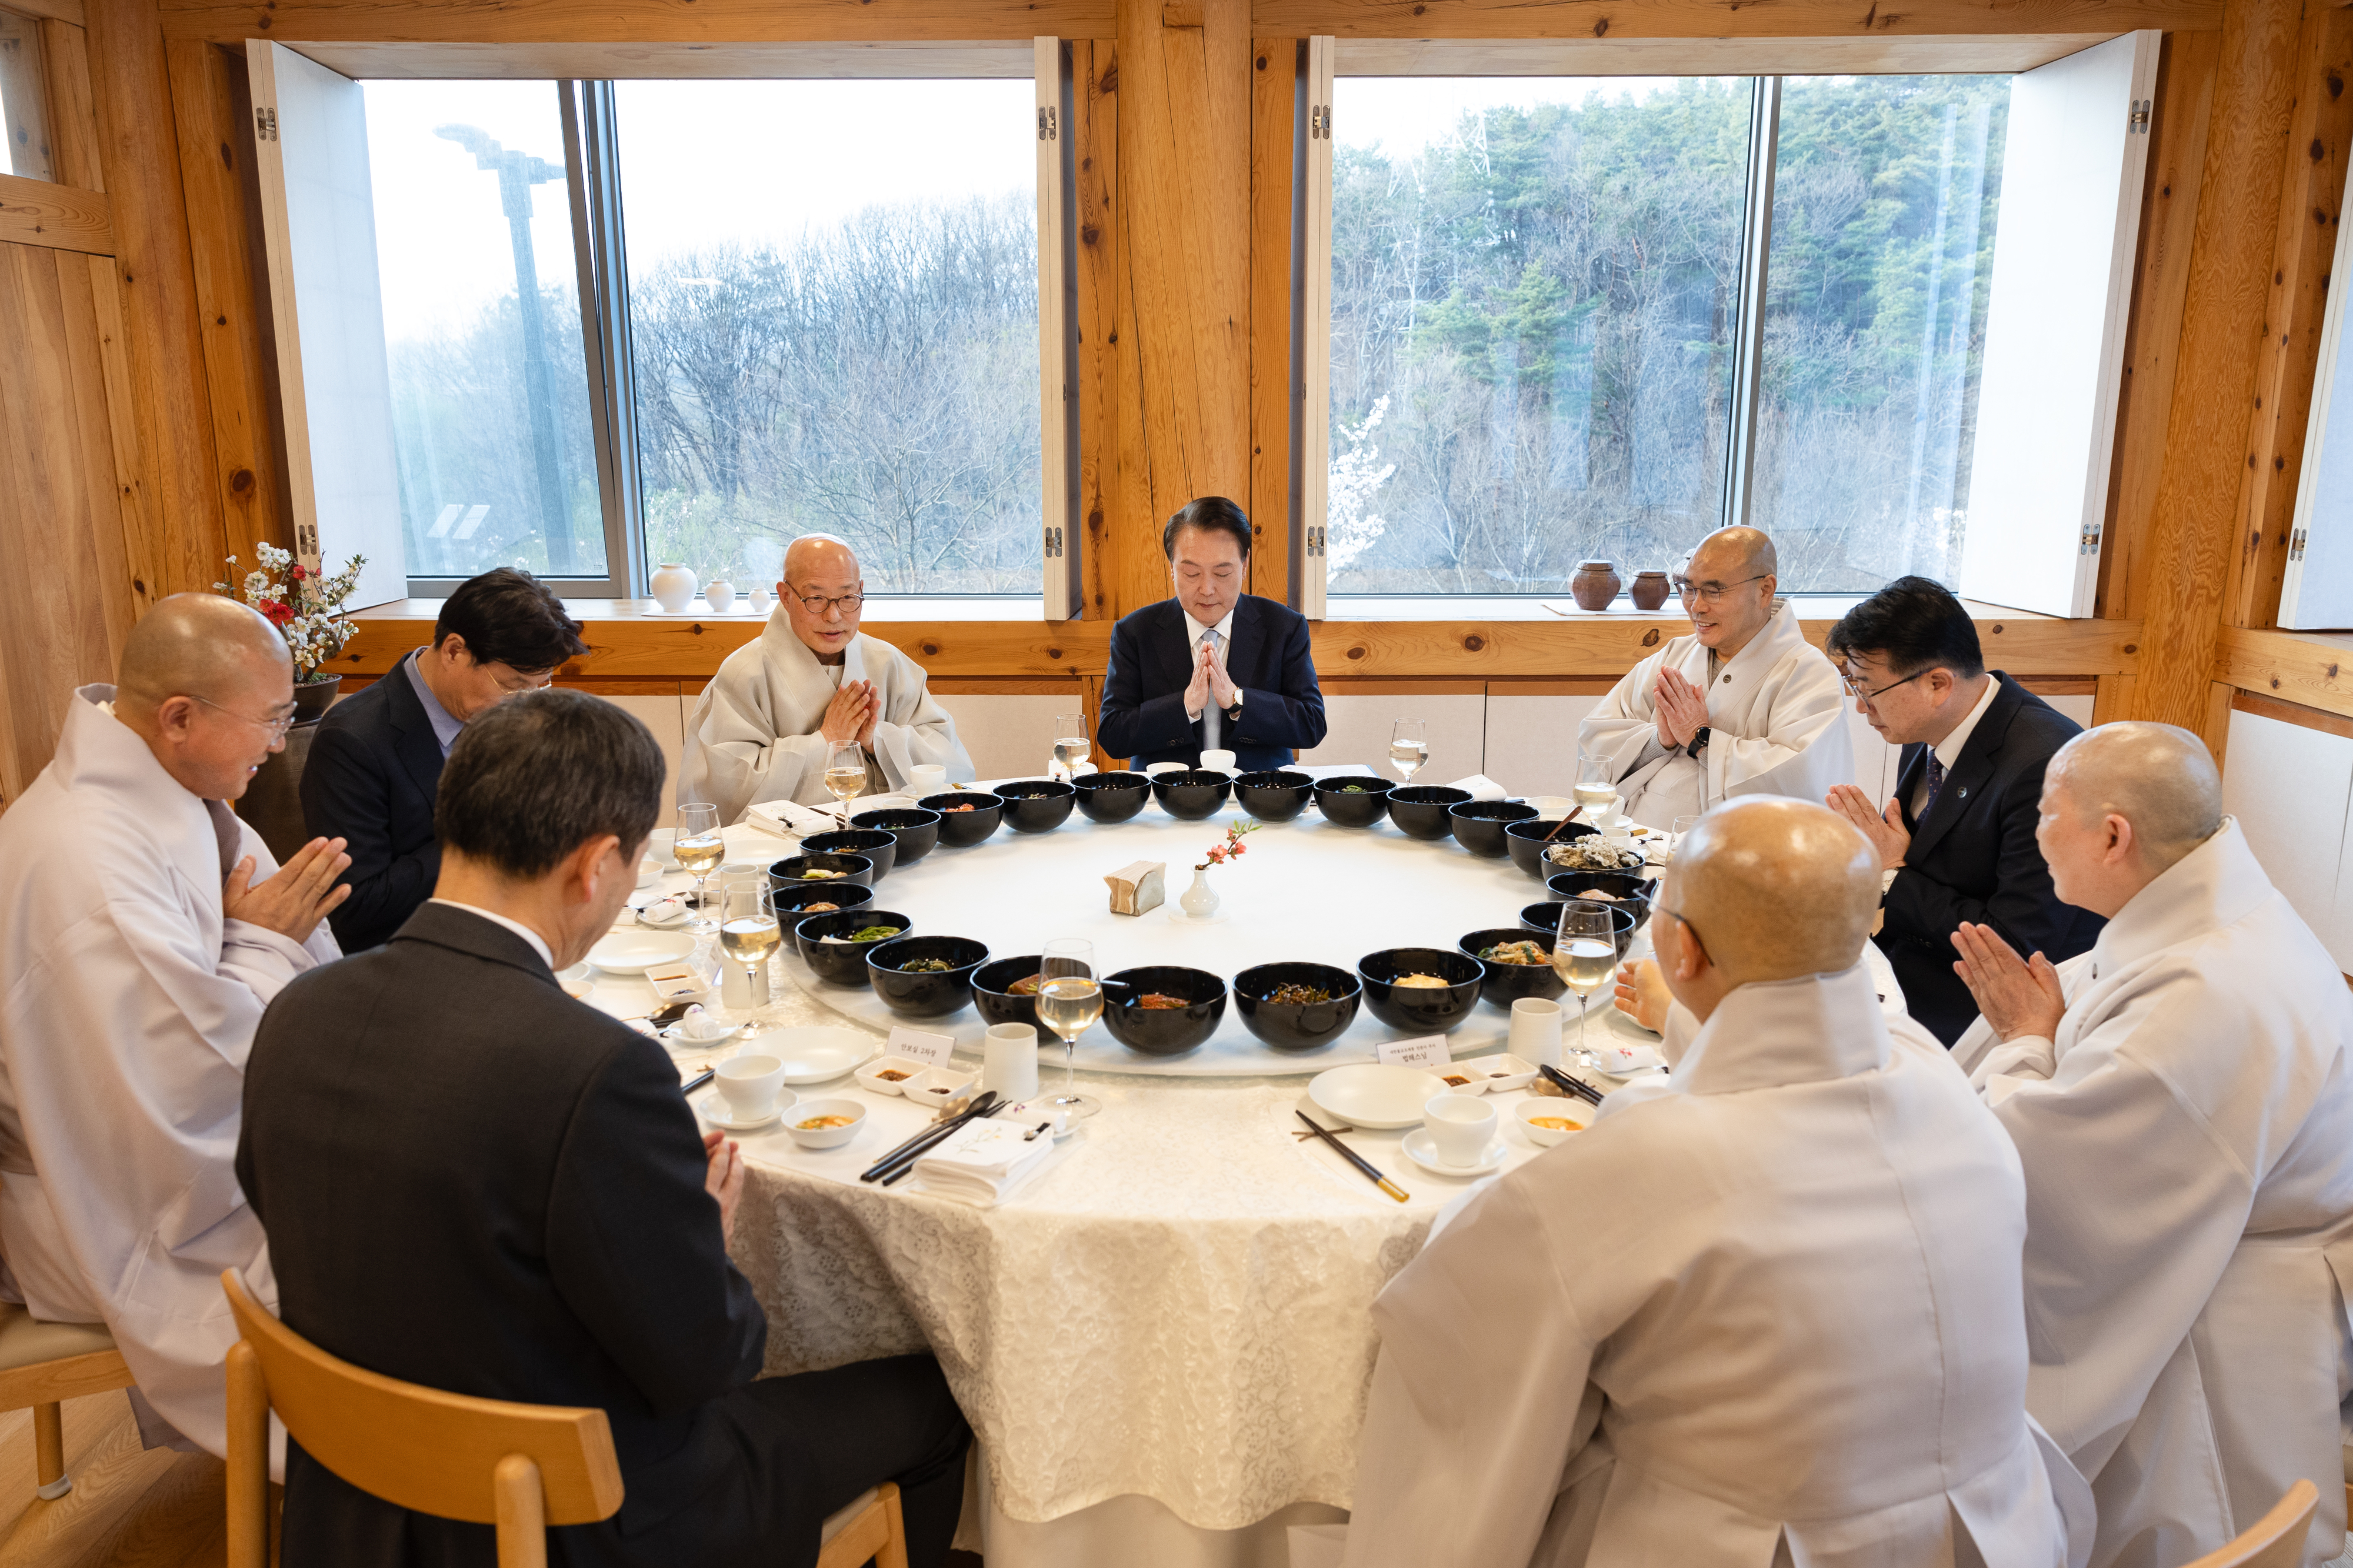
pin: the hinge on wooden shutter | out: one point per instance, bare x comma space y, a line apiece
1053, 544
2295, 545
1319, 122
2089, 544
265, 125
1047, 129
2137, 123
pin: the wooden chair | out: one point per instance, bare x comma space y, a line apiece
2275, 1541
521, 1468
868, 1529
44, 1364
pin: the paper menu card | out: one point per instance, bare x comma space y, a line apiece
1426, 1052
921, 1045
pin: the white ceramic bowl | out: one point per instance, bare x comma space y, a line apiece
1506, 1073
1551, 807
939, 1086
650, 871
1525, 1111
635, 952
871, 1079
577, 980
1473, 1074
1373, 1095
825, 1137
657, 847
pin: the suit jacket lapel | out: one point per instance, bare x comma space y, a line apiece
1248, 635
418, 748
1969, 771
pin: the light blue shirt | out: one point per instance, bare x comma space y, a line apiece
445, 728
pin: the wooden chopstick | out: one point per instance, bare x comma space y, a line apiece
913, 1148
1372, 1172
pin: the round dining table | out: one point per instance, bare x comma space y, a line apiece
1163, 1338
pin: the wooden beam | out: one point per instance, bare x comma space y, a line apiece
2291, 713
55, 217
2302, 252
1717, 18
67, 11
1094, 65
2194, 532
714, 22
1877, 54
141, 162
1007, 60
2313, 671
2176, 162
1274, 77
73, 117
142, 534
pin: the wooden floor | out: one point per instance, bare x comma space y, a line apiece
129, 1507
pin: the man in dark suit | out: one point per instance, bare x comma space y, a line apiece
1213, 667
1958, 841
472, 1181
376, 757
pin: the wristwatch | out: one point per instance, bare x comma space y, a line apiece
1698, 743
1236, 711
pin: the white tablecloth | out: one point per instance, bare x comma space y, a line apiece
1174, 1316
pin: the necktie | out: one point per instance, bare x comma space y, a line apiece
1212, 721
1936, 781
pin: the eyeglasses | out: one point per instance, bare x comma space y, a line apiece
1679, 919
277, 727
523, 681
1709, 592
1855, 688
816, 603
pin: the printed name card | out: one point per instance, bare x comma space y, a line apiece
918, 1045
1427, 1053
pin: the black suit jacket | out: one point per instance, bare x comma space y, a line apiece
1973, 857
1142, 716
371, 777
472, 1181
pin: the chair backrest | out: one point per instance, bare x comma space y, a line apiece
418, 1447
2275, 1541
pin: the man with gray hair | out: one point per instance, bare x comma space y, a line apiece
2180, 1099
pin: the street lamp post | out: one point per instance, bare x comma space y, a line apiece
517, 173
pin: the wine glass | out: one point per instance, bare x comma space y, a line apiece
700, 848
1596, 792
1409, 746
1683, 824
1071, 747
748, 930
844, 774
1585, 955
1069, 999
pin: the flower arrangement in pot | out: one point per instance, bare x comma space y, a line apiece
306, 606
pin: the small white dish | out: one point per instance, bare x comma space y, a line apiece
676, 1039
818, 1053
1525, 1111
678, 914
635, 952
825, 1137
577, 980
657, 847
939, 1086
871, 1079
1506, 1073
1551, 807
712, 1108
650, 871
1422, 1150
1375, 1095
1472, 1077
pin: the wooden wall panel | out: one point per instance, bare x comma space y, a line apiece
73, 121
1274, 77
1095, 155
2192, 539
40, 212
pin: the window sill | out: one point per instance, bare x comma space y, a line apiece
1537, 608
878, 609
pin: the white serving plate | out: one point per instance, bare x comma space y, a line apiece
816, 1053
635, 952
1376, 1096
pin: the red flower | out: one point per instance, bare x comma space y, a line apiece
280, 614
298, 573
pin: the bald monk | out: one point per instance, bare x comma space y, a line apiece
1764, 1310
1745, 705
142, 929
778, 707
2180, 1097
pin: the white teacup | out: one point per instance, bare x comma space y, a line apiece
1009, 1061
1535, 1030
1217, 759
927, 778
750, 1083
1154, 770
1462, 1126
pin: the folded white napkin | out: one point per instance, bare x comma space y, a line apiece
1480, 786
663, 912
1620, 1060
983, 1163
697, 1025
792, 820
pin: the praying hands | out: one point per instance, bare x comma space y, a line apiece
2018, 998
1209, 686
851, 714
1884, 830
1682, 709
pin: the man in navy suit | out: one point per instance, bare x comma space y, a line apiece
1958, 841
1213, 667
375, 760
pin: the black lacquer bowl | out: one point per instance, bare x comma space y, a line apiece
962, 829
996, 1005
1524, 841
1543, 919
916, 830
1479, 824
1415, 1010
1297, 1026
792, 897
1037, 806
1277, 794
932, 994
1191, 794
877, 846
1111, 797
1163, 1031
1507, 983
843, 963
1420, 811
1334, 799
1623, 887
793, 871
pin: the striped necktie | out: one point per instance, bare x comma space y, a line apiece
1935, 781
1212, 721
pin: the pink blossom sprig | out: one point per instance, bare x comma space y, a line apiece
1229, 847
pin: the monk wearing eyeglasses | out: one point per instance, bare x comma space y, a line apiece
1744, 705
778, 707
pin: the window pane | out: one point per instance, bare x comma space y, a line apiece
481, 318
833, 306
1884, 208
24, 115
1534, 285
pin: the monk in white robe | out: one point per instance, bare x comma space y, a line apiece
1761, 1311
1745, 705
778, 707
2180, 1098
142, 929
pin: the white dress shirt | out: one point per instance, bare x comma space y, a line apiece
1948, 750
538, 944
1210, 718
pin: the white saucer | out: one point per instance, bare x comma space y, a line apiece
712, 1108
677, 1039
1422, 1150
1177, 916
635, 952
